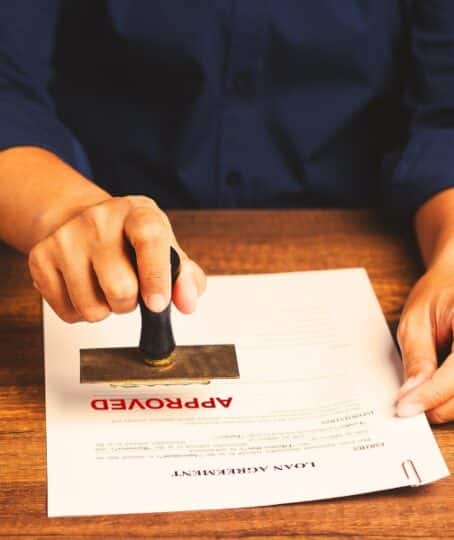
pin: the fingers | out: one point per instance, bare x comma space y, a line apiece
442, 413
83, 288
117, 278
191, 284
425, 329
65, 277
200, 278
50, 283
419, 355
150, 238
431, 394
417, 343
67, 282
84, 269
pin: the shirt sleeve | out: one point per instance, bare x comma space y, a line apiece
425, 165
27, 111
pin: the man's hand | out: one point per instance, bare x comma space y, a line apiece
79, 240
84, 268
425, 332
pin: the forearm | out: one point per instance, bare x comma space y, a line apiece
434, 227
38, 193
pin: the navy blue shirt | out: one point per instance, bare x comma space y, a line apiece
237, 103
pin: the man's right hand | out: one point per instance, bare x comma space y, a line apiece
84, 268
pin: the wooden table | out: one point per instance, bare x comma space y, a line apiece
223, 242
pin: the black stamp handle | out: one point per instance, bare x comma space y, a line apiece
156, 336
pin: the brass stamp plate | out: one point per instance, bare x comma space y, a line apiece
195, 363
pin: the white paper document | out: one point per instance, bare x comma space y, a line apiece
311, 416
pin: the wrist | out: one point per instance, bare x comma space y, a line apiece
443, 254
38, 193
434, 227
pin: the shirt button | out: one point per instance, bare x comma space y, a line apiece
243, 83
234, 178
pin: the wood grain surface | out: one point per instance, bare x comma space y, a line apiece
223, 242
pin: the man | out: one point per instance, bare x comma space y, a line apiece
225, 103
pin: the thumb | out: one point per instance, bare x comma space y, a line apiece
432, 394
418, 349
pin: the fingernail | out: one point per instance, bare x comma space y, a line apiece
409, 409
412, 382
156, 302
